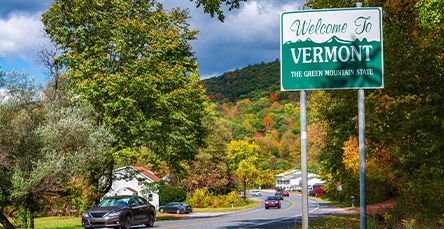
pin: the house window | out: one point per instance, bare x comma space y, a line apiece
140, 183
150, 197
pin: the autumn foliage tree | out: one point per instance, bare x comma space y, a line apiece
403, 124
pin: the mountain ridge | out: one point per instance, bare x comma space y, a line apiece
252, 81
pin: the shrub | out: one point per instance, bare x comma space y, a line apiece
202, 198
172, 194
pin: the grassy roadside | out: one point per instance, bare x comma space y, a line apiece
340, 221
253, 203
71, 222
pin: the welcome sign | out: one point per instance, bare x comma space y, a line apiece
331, 49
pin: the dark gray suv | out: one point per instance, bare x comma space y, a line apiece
120, 211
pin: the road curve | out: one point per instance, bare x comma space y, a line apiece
288, 216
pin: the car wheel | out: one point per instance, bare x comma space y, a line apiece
266, 207
151, 220
127, 223
161, 210
177, 211
279, 206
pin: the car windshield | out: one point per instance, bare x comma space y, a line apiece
114, 202
272, 198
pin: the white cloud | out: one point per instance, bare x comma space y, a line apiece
20, 36
249, 35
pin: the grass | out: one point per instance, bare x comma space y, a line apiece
340, 221
58, 222
251, 204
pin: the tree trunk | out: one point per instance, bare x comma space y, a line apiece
31, 219
5, 222
68, 210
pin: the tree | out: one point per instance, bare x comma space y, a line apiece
214, 7
70, 138
409, 111
133, 62
403, 127
20, 114
247, 174
44, 138
267, 121
241, 150
210, 167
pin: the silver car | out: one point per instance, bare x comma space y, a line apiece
256, 193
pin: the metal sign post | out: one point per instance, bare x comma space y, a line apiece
303, 111
362, 177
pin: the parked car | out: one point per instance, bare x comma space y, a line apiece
272, 201
256, 193
285, 193
176, 207
120, 211
279, 195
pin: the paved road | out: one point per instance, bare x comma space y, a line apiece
285, 218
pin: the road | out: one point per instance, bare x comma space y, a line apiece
287, 217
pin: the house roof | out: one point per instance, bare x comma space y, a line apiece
144, 172
294, 175
147, 173
130, 189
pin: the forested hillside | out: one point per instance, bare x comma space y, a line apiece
252, 82
257, 114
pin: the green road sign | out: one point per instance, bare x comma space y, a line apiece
331, 49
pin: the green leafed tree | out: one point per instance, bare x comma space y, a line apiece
133, 62
20, 114
214, 7
43, 142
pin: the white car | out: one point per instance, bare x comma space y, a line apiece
256, 193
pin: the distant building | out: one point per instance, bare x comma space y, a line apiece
129, 180
292, 179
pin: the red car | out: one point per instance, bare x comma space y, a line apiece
285, 193
272, 201
279, 195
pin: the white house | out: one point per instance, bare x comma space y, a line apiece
291, 179
129, 180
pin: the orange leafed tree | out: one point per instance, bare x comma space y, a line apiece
267, 121
273, 97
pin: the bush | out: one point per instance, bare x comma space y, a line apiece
172, 194
202, 198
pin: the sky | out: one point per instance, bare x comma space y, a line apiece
248, 36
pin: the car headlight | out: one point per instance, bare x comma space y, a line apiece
86, 215
113, 214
